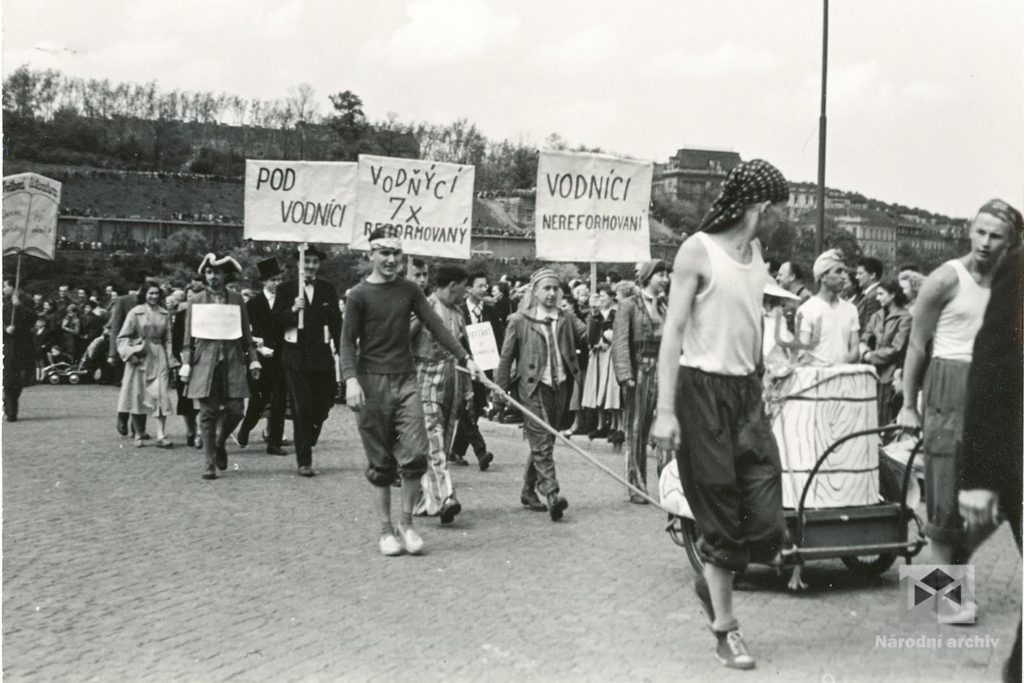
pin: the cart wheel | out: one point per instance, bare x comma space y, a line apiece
869, 566
73, 379
691, 538
53, 379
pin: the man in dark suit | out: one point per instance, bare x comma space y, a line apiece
307, 357
271, 388
19, 358
475, 310
869, 274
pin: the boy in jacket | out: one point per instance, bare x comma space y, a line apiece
541, 341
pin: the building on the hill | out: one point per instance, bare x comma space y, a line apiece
694, 177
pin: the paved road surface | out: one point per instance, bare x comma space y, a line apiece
123, 565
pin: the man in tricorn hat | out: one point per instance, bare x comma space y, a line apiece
307, 354
214, 359
270, 389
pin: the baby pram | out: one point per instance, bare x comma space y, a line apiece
849, 502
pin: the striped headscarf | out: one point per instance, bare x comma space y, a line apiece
748, 183
529, 301
1005, 213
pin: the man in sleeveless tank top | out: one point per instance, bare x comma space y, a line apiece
947, 316
710, 411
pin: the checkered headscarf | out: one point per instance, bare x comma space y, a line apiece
748, 183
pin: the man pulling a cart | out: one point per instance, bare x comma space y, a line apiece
710, 410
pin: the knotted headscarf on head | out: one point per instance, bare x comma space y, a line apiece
748, 183
827, 261
1005, 213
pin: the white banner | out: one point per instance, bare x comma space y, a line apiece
299, 201
593, 207
216, 321
30, 215
483, 345
427, 204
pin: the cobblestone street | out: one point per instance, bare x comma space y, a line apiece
121, 564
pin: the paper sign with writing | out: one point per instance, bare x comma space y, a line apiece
216, 321
427, 204
483, 345
593, 207
299, 201
30, 215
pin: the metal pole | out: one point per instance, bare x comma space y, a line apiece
302, 282
820, 234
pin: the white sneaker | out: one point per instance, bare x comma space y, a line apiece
389, 545
967, 615
411, 539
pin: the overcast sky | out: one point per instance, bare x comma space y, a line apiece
926, 98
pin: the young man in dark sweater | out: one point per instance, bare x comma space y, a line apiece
381, 386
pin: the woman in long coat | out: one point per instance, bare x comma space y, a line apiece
144, 344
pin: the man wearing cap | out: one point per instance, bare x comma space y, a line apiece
947, 316
539, 365
271, 388
829, 326
636, 337
214, 361
381, 386
307, 355
710, 410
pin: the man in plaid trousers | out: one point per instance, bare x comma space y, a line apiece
443, 392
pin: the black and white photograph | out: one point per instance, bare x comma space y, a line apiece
468, 341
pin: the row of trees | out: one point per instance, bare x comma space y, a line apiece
51, 117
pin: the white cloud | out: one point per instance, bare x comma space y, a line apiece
580, 51
729, 59
441, 32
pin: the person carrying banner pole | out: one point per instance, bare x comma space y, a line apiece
381, 386
307, 357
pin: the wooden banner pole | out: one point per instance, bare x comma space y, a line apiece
302, 281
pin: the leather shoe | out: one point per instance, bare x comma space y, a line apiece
242, 438
637, 499
556, 506
449, 508
306, 471
458, 460
210, 472
122, 425
486, 460
532, 501
276, 450
222, 457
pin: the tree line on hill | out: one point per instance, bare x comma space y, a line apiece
54, 118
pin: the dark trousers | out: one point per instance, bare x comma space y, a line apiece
218, 414
311, 393
468, 431
14, 381
270, 389
546, 403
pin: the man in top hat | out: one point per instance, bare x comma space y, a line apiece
307, 356
214, 361
271, 388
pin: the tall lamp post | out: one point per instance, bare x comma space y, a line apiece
820, 233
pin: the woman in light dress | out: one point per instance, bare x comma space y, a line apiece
144, 344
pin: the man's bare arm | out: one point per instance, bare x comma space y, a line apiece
938, 289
